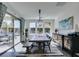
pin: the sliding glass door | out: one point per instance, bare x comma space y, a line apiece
9, 32
6, 31
16, 31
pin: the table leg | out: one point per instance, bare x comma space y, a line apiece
39, 45
43, 47
27, 50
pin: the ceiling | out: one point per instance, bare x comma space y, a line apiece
29, 10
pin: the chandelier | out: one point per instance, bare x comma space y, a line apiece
39, 21
39, 12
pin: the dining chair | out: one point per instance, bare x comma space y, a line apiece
27, 45
49, 42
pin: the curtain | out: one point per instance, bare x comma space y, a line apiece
3, 9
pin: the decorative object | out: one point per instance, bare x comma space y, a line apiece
66, 24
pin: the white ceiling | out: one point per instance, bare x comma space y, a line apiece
29, 10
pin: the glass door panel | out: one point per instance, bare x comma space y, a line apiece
16, 31
6, 31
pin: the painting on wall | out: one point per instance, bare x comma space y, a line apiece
66, 24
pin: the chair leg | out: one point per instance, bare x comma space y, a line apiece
31, 46
28, 50
49, 48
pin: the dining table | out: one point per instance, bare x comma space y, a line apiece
40, 40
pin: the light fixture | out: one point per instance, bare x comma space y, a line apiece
61, 3
39, 12
39, 21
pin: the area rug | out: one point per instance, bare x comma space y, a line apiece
19, 51
54, 52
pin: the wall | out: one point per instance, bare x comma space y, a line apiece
11, 10
71, 9
27, 22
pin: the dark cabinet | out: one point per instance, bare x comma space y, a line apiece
75, 44
68, 42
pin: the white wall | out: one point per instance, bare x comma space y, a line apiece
71, 9
27, 22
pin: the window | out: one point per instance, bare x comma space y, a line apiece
32, 30
39, 30
47, 30
32, 27
6, 39
7, 24
39, 27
